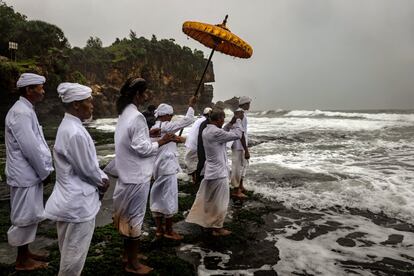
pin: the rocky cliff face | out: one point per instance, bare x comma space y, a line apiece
171, 70
164, 88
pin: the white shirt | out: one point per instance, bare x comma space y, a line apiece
237, 145
135, 152
214, 141
75, 196
166, 161
28, 158
192, 137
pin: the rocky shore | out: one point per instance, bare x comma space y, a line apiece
257, 225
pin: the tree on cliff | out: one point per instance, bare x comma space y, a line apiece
34, 37
43, 48
94, 42
10, 21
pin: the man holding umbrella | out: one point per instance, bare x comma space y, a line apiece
210, 206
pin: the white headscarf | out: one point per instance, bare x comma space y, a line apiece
207, 110
27, 79
244, 100
164, 109
70, 92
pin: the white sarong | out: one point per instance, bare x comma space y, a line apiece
74, 240
191, 160
130, 203
238, 167
26, 212
164, 196
210, 206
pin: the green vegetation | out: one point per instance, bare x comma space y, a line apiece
105, 253
44, 49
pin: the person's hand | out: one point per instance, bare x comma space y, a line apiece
247, 155
47, 180
192, 101
239, 115
155, 132
103, 188
105, 184
168, 137
233, 120
179, 139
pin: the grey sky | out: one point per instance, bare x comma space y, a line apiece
308, 54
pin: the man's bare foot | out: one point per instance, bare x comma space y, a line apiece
30, 264
239, 194
221, 232
173, 236
159, 235
139, 269
38, 257
141, 257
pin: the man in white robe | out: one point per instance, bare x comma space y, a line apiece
191, 158
74, 201
164, 190
240, 152
134, 161
28, 166
210, 206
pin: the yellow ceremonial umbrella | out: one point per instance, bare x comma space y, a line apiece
218, 38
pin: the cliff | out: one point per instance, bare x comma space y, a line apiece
172, 71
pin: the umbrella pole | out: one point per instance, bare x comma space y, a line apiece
201, 80
205, 70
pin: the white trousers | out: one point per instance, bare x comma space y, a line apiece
130, 204
26, 212
210, 206
238, 167
164, 196
74, 240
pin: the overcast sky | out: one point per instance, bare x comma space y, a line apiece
308, 54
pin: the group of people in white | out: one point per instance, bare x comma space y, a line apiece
141, 155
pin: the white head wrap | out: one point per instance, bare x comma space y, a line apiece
27, 79
244, 100
70, 92
207, 110
239, 110
164, 109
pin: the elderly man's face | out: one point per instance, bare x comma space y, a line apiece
245, 106
35, 93
85, 109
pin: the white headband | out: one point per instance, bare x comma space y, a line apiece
164, 109
27, 79
70, 92
244, 100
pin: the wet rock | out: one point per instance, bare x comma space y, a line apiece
265, 273
356, 235
312, 231
383, 220
386, 266
346, 242
393, 239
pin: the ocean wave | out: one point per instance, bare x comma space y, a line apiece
352, 115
